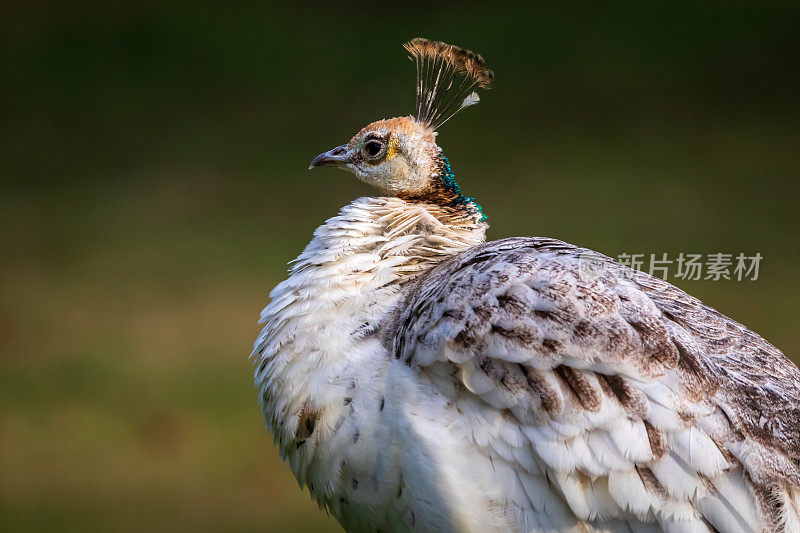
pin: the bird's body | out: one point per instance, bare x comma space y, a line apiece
417, 378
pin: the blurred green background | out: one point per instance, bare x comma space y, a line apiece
153, 187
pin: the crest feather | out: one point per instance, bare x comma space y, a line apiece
446, 78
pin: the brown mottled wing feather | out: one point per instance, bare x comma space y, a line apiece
630, 400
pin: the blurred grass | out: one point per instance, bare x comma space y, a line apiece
152, 170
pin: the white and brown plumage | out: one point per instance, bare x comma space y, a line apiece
417, 378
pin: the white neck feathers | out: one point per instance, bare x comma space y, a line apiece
340, 288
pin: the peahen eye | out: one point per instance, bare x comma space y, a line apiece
373, 148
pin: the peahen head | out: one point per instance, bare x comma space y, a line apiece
399, 156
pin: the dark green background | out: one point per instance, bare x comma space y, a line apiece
154, 185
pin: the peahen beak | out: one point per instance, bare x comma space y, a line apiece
336, 156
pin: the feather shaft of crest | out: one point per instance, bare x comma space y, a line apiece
447, 77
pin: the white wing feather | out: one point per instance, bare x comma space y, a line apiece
614, 396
